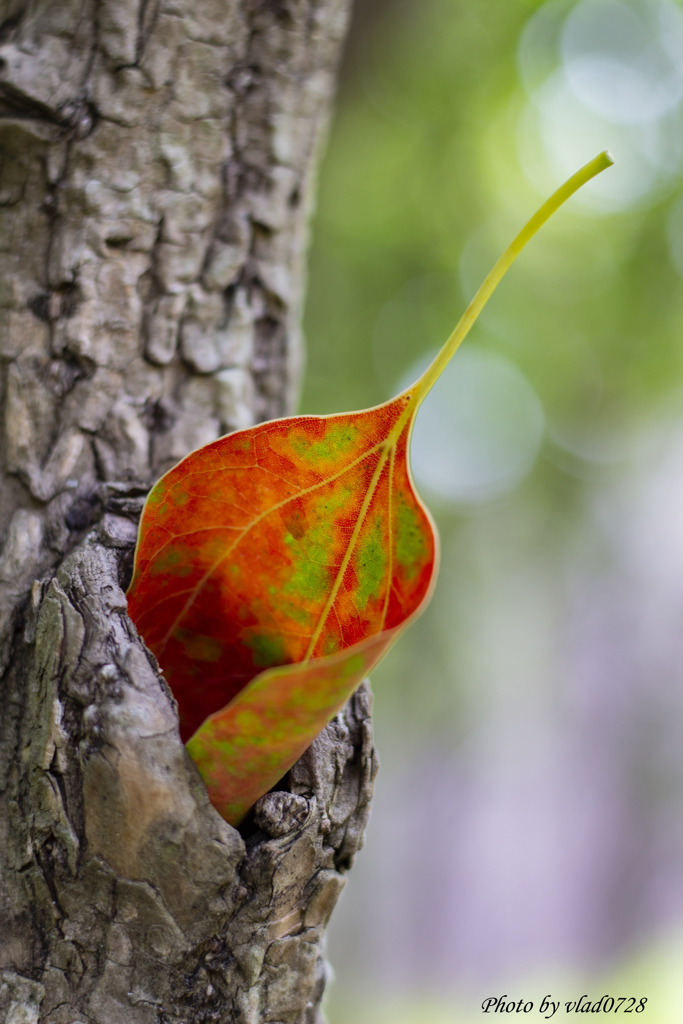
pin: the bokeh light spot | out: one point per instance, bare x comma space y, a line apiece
479, 431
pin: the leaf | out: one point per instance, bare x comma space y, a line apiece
246, 747
275, 566
289, 541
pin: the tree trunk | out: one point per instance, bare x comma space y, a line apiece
156, 164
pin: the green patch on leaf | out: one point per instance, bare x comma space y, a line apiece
171, 560
198, 647
338, 439
371, 565
267, 649
410, 541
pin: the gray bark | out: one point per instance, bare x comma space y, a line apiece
156, 165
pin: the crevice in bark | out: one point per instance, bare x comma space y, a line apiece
236, 939
148, 12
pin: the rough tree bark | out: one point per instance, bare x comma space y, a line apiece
156, 162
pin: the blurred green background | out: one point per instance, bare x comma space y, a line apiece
527, 834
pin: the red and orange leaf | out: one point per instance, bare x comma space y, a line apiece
289, 541
275, 567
